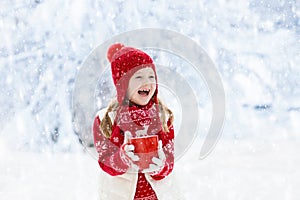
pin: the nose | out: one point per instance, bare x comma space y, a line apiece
147, 81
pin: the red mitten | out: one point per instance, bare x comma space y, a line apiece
127, 151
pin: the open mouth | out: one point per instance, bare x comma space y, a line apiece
144, 92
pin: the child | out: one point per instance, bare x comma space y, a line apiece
135, 112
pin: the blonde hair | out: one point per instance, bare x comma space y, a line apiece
106, 124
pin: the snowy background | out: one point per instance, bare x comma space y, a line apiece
255, 45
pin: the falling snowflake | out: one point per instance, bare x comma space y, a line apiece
116, 139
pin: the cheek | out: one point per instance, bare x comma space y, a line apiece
153, 88
153, 85
132, 85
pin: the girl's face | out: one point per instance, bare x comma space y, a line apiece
142, 86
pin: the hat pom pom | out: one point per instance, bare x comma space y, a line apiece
113, 49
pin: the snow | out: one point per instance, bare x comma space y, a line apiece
48, 176
254, 44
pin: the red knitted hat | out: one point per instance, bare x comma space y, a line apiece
125, 61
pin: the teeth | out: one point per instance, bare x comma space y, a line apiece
144, 91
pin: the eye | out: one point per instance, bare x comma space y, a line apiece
138, 77
151, 77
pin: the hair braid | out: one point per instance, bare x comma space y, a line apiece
166, 115
106, 123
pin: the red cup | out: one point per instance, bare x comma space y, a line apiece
146, 148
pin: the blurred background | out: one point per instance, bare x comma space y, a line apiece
255, 45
